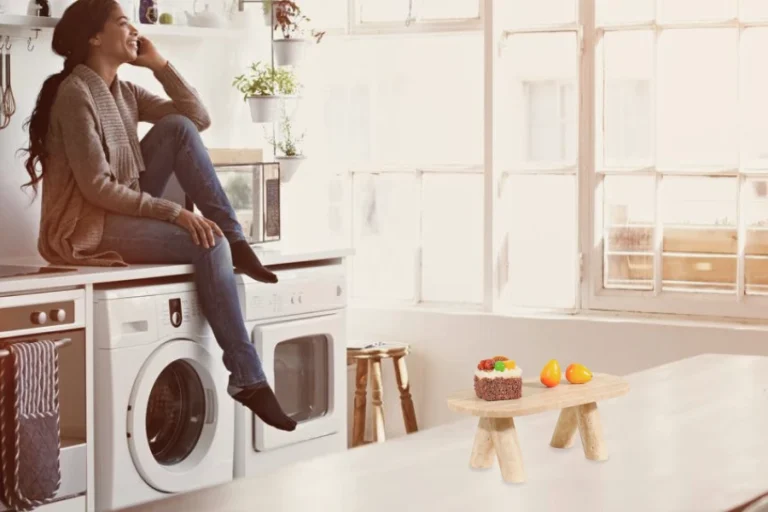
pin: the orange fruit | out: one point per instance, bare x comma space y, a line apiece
578, 374
550, 374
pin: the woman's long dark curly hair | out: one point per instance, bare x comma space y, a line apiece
81, 21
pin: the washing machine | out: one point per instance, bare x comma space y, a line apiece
298, 327
164, 422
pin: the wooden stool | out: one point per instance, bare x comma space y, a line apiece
496, 433
371, 357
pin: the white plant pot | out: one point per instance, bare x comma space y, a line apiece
289, 165
264, 109
290, 52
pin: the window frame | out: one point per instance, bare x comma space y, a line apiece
411, 24
591, 295
731, 304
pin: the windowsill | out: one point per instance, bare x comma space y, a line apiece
584, 315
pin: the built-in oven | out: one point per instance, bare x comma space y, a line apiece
59, 317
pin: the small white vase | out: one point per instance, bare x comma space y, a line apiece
289, 165
264, 109
290, 52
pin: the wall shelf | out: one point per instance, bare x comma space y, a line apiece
16, 22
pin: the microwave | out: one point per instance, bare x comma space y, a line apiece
253, 190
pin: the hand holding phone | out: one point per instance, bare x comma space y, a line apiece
149, 57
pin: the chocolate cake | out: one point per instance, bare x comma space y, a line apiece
498, 379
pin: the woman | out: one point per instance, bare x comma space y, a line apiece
101, 199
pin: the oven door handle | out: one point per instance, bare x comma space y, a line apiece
63, 342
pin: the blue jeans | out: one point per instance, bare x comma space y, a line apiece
174, 145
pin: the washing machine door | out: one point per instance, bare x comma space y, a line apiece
172, 417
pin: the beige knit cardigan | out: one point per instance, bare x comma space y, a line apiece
94, 160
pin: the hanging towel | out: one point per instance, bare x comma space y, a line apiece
30, 474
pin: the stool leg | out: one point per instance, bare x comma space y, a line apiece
376, 395
507, 446
361, 387
591, 430
565, 430
482, 449
406, 402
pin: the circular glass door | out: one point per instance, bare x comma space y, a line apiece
174, 428
175, 413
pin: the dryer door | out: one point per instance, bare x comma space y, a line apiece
173, 418
304, 361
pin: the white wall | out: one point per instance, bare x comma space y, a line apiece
447, 347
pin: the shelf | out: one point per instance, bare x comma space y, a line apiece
12, 21
32, 22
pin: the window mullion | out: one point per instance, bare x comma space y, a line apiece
490, 58
586, 175
741, 221
658, 224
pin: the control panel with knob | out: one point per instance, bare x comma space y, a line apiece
39, 318
175, 310
58, 315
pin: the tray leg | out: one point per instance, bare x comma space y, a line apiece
482, 449
591, 430
565, 430
507, 446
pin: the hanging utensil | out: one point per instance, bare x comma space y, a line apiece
4, 119
9, 101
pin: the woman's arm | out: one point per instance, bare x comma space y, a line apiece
86, 158
184, 99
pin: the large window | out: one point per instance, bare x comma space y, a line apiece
628, 162
679, 165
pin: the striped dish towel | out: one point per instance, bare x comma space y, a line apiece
30, 474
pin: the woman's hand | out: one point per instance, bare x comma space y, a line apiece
199, 227
149, 57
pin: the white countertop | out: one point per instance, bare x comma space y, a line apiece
690, 436
270, 255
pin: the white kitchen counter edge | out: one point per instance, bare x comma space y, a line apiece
94, 275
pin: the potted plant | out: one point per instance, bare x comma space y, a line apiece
288, 150
266, 8
263, 89
290, 49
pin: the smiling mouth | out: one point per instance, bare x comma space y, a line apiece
134, 45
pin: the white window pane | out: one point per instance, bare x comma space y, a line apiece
754, 105
453, 10
538, 261
540, 101
696, 10
628, 226
697, 102
753, 10
627, 99
756, 217
372, 11
385, 212
525, 13
699, 219
326, 14
452, 237
427, 115
624, 11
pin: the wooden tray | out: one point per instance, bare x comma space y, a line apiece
496, 433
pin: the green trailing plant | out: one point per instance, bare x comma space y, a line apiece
289, 20
265, 80
289, 143
266, 5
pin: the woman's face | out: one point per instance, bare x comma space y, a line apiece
118, 40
